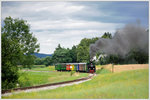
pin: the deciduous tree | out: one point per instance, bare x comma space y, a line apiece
18, 43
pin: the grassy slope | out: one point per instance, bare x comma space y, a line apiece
130, 84
37, 78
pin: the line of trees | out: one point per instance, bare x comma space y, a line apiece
80, 53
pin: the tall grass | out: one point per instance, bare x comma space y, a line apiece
124, 85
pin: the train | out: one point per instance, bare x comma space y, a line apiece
78, 67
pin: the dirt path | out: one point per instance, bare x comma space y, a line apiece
49, 87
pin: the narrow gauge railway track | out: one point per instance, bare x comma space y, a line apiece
45, 85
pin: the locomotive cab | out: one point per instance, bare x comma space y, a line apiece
91, 67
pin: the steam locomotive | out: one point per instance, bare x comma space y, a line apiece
79, 67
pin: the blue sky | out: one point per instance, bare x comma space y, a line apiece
69, 22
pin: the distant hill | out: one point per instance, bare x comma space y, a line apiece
41, 55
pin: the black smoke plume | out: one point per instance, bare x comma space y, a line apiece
132, 36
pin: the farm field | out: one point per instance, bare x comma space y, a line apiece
122, 85
121, 68
29, 78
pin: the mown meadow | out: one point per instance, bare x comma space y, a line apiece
123, 85
47, 75
39, 68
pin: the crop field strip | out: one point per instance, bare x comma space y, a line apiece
45, 85
121, 68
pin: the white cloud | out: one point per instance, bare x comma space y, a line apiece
54, 22
71, 24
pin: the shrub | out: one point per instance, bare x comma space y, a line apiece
24, 80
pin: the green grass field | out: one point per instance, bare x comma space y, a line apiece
123, 85
29, 78
39, 68
49, 68
33, 66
